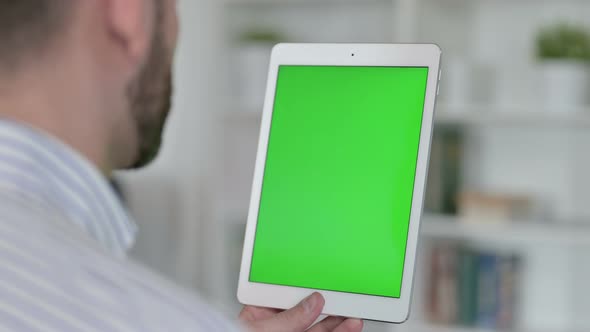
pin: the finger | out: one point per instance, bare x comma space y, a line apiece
252, 313
327, 325
298, 318
350, 325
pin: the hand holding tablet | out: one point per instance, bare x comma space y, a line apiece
339, 179
297, 319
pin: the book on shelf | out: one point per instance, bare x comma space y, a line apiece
445, 171
442, 289
472, 288
508, 277
467, 284
487, 290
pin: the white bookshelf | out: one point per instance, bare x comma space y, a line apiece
507, 232
542, 129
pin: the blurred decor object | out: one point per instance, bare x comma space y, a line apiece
515, 86
493, 208
252, 62
465, 82
472, 288
483, 83
564, 51
455, 82
445, 170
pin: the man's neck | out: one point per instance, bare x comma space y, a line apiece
56, 103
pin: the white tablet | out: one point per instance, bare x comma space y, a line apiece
339, 178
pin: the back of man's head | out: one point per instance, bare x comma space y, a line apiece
28, 27
95, 74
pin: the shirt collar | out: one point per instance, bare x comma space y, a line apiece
65, 180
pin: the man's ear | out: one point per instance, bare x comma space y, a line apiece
130, 24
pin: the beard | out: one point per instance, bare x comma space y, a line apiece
150, 99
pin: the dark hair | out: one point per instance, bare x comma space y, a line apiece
28, 27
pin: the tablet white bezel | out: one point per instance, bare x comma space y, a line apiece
337, 303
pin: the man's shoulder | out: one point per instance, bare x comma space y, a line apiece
70, 283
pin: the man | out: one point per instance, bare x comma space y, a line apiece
85, 89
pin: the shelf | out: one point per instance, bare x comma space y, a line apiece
486, 115
442, 227
304, 2
513, 232
442, 328
337, 2
425, 327
529, 115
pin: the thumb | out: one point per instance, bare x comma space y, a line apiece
298, 318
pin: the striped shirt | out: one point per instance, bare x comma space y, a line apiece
63, 238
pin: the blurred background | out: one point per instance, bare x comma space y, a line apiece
505, 242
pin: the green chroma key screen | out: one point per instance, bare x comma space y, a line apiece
339, 178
